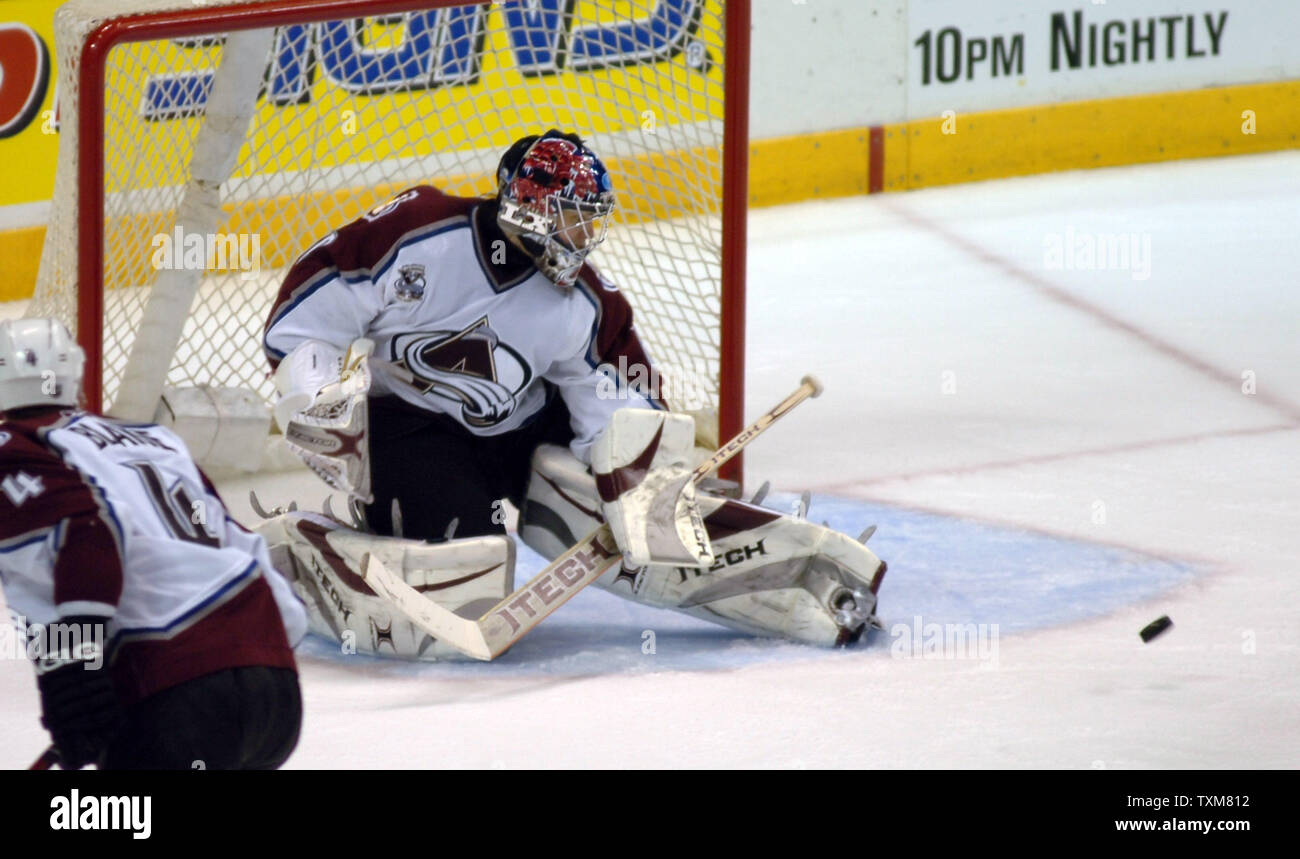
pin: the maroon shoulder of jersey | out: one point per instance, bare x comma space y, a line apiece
38, 490
39, 494
357, 250
616, 337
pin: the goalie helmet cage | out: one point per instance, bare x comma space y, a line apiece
187, 184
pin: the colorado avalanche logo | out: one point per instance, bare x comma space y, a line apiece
472, 368
409, 284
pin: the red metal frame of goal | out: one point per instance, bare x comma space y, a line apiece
198, 20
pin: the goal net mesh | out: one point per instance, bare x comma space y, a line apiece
354, 110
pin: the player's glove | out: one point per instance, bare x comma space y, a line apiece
79, 703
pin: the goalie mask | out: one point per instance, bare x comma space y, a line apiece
40, 365
555, 201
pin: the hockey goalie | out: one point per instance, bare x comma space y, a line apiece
443, 355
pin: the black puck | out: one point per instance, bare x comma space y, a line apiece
1155, 627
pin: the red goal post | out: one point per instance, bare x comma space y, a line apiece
681, 181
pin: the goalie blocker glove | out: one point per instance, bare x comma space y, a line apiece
79, 702
644, 476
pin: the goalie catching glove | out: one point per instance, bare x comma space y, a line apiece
324, 414
642, 464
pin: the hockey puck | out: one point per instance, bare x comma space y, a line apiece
1155, 627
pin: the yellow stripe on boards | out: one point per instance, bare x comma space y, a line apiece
20, 257
808, 166
1106, 133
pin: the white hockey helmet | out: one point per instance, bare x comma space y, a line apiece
40, 364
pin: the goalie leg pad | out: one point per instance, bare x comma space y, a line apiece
561, 505
773, 574
322, 559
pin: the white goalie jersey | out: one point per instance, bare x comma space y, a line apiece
463, 323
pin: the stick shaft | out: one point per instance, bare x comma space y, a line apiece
809, 388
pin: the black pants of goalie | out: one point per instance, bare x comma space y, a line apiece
438, 471
237, 719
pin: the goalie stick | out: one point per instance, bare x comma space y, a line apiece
512, 618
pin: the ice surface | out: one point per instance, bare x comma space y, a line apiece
1065, 453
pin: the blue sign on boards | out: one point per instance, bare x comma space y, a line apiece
441, 47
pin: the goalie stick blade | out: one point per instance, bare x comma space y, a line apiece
445, 626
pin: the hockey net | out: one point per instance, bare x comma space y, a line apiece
205, 145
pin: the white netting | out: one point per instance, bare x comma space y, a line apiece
355, 111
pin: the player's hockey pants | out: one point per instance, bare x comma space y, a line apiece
239, 718
439, 471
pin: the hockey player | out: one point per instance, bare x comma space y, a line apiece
491, 329
160, 641
495, 345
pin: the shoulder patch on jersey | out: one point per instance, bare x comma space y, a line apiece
393, 245
409, 285
38, 488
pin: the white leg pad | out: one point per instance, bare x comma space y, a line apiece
322, 559
561, 505
774, 574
